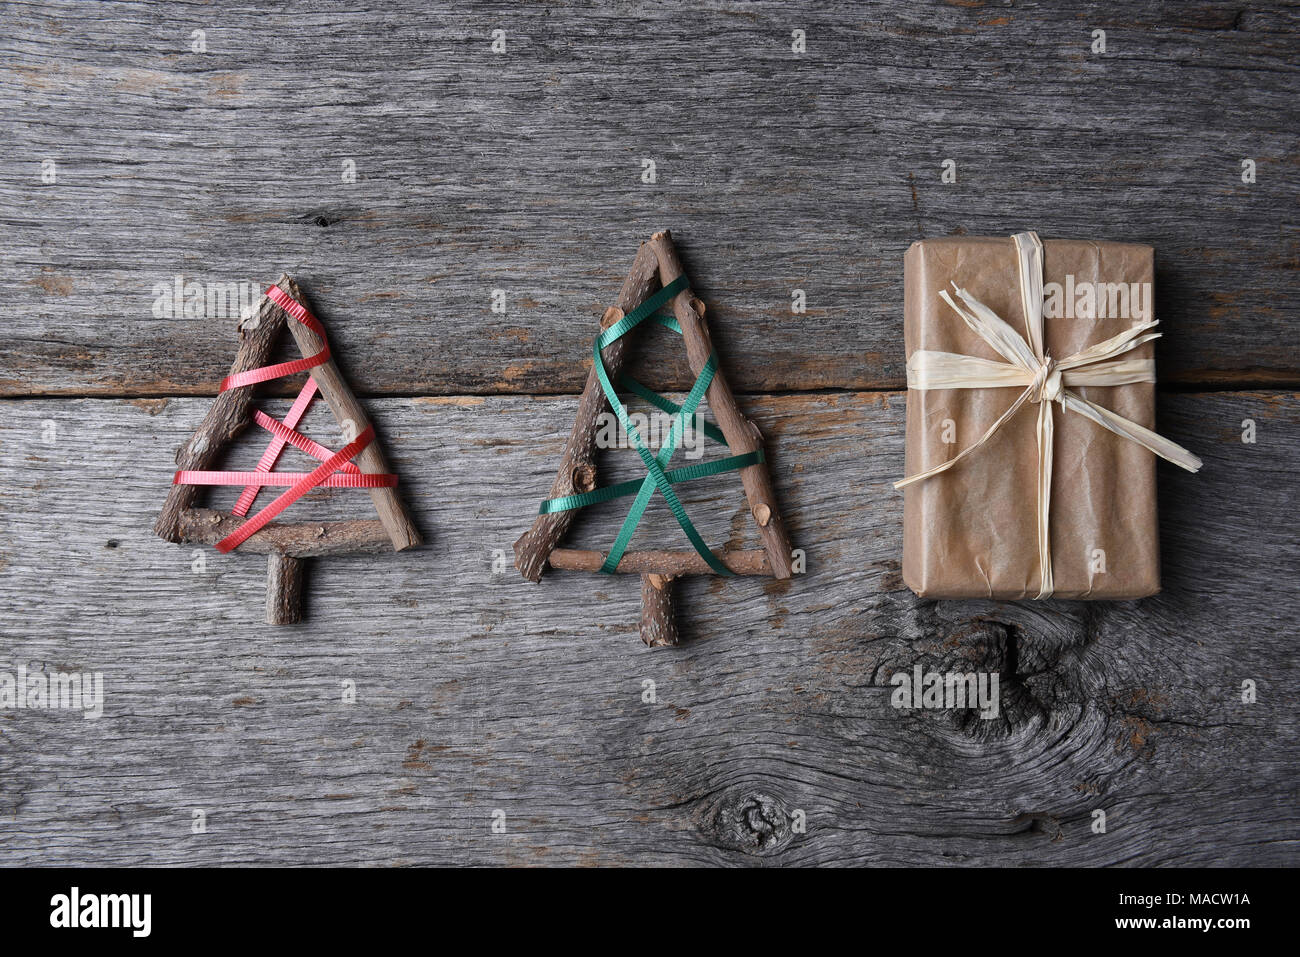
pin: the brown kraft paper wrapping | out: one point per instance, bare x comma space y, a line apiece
972, 532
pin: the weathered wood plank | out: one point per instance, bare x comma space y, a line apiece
477, 692
521, 172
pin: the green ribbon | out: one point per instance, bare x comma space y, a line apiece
656, 477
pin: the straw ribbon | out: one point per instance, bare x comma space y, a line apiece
1044, 379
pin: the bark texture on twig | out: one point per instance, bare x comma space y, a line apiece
284, 577
658, 618
577, 472
674, 563
742, 435
229, 414
206, 526
352, 415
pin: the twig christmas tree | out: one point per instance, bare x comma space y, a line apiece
359, 464
575, 484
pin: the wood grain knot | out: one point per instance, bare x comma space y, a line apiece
583, 478
752, 822
1044, 683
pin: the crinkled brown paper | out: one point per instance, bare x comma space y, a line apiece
971, 532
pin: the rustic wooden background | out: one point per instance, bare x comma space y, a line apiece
482, 698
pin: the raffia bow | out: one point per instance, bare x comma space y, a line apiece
1045, 381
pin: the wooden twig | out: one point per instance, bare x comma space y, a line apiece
229, 414
672, 563
658, 620
206, 526
742, 435
577, 472
284, 575
350, 414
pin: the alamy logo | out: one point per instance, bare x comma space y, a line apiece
654, 430
83, 691
932, 689
179, 299
75, 909
1097, 300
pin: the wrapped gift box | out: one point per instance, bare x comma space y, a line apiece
973, 530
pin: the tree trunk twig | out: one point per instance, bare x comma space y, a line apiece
658, 620
284, 576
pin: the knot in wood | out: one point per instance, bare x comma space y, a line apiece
583, 477
752, 822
